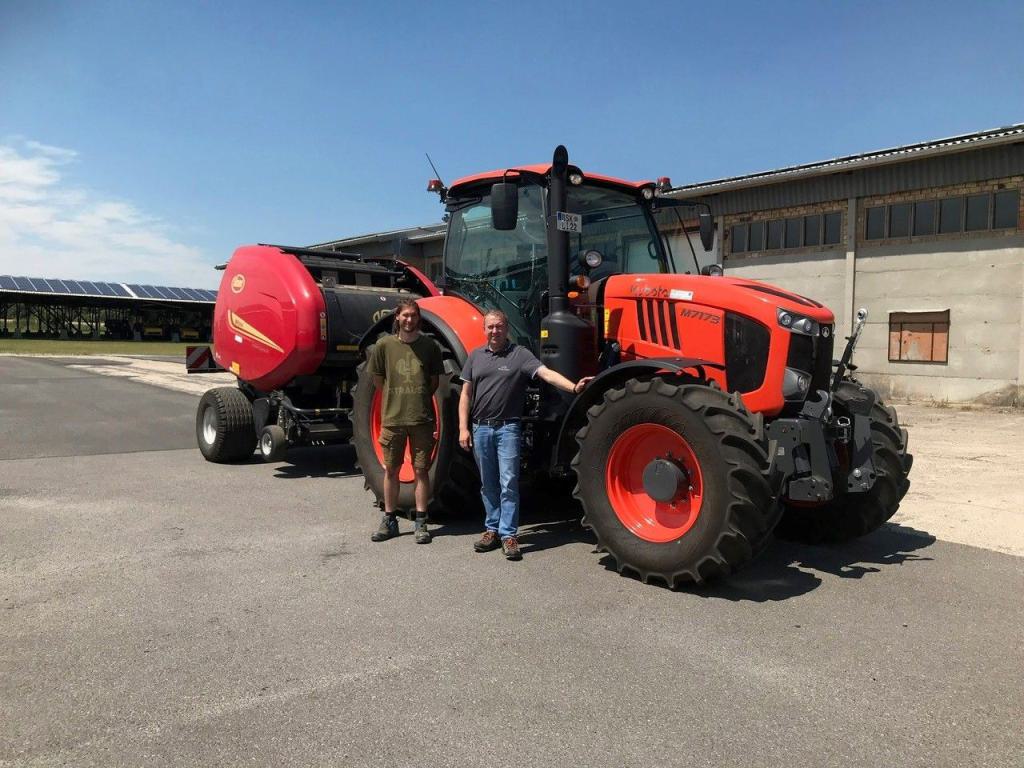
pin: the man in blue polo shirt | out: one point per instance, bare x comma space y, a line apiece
493, 395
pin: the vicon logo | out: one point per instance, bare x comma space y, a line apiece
696, 314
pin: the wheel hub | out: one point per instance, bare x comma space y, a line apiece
665, 481
654, 483
209, 426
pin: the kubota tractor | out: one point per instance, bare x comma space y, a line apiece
717, 414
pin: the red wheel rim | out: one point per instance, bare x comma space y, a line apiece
646, 518
406, 473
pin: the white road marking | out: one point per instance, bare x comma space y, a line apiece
159, 373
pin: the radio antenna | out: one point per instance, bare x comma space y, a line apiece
434, 168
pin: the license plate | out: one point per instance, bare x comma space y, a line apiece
569, 222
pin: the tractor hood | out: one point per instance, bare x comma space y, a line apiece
753, 298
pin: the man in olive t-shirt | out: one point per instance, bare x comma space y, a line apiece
406, 367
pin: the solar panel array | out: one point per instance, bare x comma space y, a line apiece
52, 287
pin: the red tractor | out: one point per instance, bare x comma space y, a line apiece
717, 414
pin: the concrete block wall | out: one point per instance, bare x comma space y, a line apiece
977, 276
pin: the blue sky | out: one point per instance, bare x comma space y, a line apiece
145, 140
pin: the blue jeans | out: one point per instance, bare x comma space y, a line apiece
497, 455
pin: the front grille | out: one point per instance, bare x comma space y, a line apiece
746, 352
658, 322
813, 355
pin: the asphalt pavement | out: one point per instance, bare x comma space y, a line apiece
156, 609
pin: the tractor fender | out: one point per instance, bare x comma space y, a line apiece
615, 376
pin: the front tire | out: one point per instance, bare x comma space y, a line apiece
855, 514
225, 430
724, 510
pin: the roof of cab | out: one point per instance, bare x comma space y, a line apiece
541, 170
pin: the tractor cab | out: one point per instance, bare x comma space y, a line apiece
610, 231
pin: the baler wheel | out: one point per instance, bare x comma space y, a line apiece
717, 509
855, 514
273, 443
224, 426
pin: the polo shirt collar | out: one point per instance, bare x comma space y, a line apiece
503, 350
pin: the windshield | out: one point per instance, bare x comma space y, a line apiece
507, 270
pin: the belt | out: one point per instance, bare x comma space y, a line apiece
495, 422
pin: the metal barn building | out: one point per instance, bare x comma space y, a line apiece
927, 237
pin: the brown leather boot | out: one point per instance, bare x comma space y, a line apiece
488, 542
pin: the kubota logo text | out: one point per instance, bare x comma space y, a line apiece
649, 291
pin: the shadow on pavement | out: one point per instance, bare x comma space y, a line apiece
787, 569
316, 461
548, 518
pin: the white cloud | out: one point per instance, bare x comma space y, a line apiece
50, 229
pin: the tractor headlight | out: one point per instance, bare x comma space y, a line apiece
593, 259
575, 179
799, 323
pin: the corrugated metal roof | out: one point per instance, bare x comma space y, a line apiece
990, 138
413, 234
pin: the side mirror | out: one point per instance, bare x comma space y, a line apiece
707, 231
504, 205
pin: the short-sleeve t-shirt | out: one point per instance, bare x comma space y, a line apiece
406, 368
499, 381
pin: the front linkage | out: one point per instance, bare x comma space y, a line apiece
806, 446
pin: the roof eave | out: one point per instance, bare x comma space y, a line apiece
844, 165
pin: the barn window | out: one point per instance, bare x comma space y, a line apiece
977, 213
812, 230
833, 221
756, 242
899, 220
1007, 205
875, 229
919, 337
793, 227
739, 238
924, 217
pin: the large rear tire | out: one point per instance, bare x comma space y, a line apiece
453, 476
225, 430
724, 512
855, 514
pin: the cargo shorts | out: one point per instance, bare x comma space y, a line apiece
420, 438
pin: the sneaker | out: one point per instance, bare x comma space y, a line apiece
422, 535
489, 541
510, 546
388, 529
